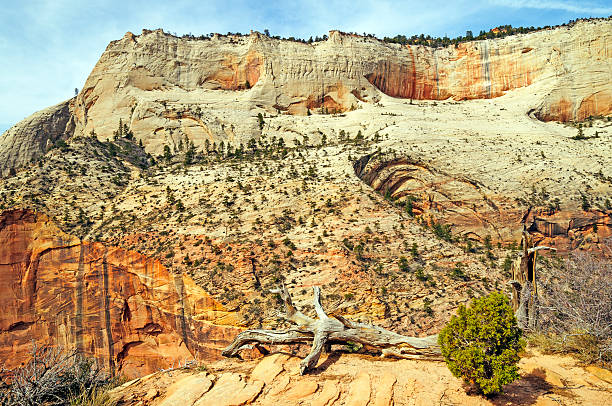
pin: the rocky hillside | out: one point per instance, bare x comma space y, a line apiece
155, 210
118, 306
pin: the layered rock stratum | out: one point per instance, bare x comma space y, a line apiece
143, 77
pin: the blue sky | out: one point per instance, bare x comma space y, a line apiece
48, 47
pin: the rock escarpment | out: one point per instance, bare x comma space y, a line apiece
118, 306
137, 73
167, 88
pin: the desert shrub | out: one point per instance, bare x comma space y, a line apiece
403, 265
481, 344
97, 397
352, 347
458, 273
442, 231
421, 275
54, 377
585, 347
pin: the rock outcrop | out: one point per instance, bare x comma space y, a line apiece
568, 231
118, 306
168, 88
136, 74
350, 379
29, 139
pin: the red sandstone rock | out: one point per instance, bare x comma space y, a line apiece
119, 306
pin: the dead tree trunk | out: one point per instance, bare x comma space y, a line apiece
524, 284
325, 331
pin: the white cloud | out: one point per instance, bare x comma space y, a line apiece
570, 6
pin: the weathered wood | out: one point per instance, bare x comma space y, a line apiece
325, 331
265, 337
524, 283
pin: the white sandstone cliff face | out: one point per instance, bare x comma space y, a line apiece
168, 88
213, 89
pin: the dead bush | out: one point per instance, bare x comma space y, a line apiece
576, 306
52, 377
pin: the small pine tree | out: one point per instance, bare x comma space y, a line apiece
167, 153
481, 344
252, 145
403, 265
586, 204
190, 154
409, 207
261, 121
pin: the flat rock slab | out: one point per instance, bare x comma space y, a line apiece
301, 389
359, 390
187, 390
328, 394
269, 368
383, 385
231, 390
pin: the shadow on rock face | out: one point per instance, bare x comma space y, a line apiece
329, 361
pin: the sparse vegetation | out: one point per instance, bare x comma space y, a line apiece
576, 310
442, 231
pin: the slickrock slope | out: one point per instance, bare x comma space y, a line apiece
116, 305
476, 210
350, 379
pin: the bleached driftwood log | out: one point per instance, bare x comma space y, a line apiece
325, 331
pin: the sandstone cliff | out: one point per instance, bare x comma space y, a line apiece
166, 87
474, 211
156, 81
116, 305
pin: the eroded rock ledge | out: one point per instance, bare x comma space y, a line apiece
351, 379
464, 203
